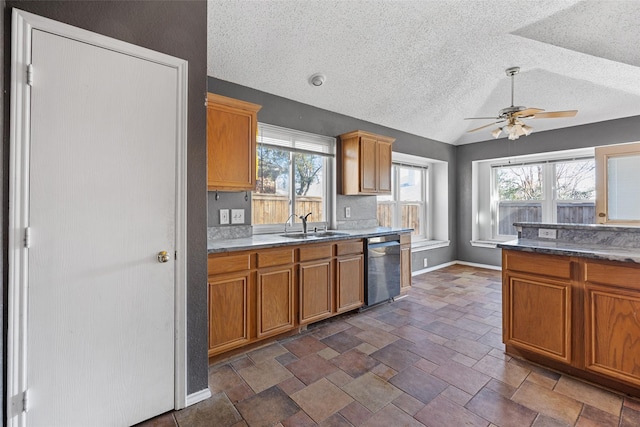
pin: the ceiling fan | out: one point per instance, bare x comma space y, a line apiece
513, 116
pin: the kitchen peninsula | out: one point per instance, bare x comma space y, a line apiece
571, 300
270, 285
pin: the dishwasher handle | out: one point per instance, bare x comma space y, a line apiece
389, 238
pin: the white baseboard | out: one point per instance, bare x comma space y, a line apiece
198, 396
447, 264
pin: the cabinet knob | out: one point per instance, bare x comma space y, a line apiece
602, 214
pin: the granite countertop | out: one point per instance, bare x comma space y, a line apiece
258, 241
558, 247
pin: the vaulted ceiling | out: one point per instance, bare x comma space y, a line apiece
423, 66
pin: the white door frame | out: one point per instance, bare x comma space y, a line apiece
23, 24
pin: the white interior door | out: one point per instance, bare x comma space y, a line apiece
101, 204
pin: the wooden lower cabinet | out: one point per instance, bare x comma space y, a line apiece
229, 308
315, 291
538, 315
349, 282
274, 302
405, 262
575, 315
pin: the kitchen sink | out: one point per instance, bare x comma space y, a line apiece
314, 234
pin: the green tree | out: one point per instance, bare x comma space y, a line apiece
307, 169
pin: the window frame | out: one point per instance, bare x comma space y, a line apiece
295, 138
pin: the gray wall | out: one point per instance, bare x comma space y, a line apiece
295, 115
593, 135
177, 28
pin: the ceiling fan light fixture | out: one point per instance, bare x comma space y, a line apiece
527, 130
496, 133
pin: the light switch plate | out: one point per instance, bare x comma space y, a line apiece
347, 212
237, 216
224, 216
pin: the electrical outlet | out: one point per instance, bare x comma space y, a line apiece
224, 216
424, 262
347, 212
237, 216
547, 233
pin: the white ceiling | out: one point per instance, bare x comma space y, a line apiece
422, 66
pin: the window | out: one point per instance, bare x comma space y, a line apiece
617, 177
406, 206
556, 192
294, 177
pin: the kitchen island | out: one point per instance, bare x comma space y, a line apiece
271, 285
571, 300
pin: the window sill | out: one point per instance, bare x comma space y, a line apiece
489, 243
425, 245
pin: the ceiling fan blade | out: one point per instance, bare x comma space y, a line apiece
527, 112
481, 118
555, 114
485, 126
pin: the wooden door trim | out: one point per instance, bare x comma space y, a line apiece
23, 23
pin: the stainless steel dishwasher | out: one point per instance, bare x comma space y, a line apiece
382, 281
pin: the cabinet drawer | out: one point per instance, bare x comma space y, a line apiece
279, 257
315, 252
351, 247
612, 274
547, 265
218, 264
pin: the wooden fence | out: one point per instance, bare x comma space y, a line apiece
410, 217
274, 209
567, 213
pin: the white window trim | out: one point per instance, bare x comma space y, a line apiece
482, 226
436, 200
329, 187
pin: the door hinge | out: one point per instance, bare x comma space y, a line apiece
30, 74
175, 255
27, 237
25, 401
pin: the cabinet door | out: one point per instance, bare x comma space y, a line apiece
231, 144
405, 267
274, 301
384, 167
228, 312
315, 291
349, 282
368, 165
612, 331
537, 315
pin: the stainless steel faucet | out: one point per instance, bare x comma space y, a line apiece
293, 215
304, 222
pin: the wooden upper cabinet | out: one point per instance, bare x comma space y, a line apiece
365, 163
231, 143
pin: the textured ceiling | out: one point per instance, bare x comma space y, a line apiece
422, 66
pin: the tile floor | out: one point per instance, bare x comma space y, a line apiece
432, 359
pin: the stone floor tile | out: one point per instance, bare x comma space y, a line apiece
324, 330
545, 421
341, 341
456, 395
285, 359
263, 375
501, 388
541, 380
383, 371
449, 313
267, 408
311, 368
441, 412
411, 333
547, 402
377, 338
291, 385
419, 384
339, 378
299, 419
366, 348
463, 377
321, 399
408, 404
239, 392
355, 413
241, 362
395, 357
304, 346
469, 348
632, 403
392, 416
222, 378
217, 410
630, 417
265, 353
371, 391
354, 363
587, 393
502, 371
328, 353
366, 322
500, 410
335, 420
599, 417
433, 352
164, 420
394, 318
464, 360
425, 365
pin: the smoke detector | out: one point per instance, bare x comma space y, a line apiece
317, 79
